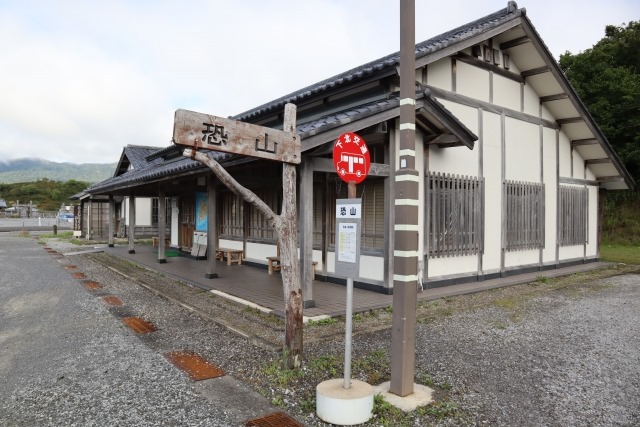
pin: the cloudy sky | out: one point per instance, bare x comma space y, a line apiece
81, 79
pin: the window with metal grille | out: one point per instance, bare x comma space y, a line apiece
372, 221
154, 211
572, 227
319, 219
524, 215
258, 227
454, 214
231, 210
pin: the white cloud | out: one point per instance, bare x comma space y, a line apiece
82, 79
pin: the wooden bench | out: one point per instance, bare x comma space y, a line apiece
232, 255
156, 240
273, 264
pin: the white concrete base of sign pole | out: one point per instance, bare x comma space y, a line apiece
344, 406
421, 396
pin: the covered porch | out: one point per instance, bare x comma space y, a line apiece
251, 285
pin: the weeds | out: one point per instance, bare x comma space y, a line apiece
542, 279
321, 322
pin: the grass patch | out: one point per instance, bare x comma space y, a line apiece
279, 375
440, 410
322, 322
617, 252
324, 365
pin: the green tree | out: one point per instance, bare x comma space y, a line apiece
607, 79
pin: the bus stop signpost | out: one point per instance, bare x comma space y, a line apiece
347, 401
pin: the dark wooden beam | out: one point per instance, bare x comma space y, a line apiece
323, 164
578, 181
581, 142
535, 71
492, 108
445, 138
602, 179
556, 97
489, 67
597, 161
569, 120
515, 42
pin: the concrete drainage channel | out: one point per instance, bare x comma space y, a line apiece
193, 365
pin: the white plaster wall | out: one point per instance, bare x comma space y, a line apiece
550, 185
472, 81
331, 262
439, 74
521, 258
230, 244
592, 242
547, 115
590, 175
175, 218
448, 266
522, 147
143, 211
493, 190
578, 165
565, 155
371, 267
571, 252
506, 92
531, 101
317, 257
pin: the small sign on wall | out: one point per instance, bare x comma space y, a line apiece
348, 218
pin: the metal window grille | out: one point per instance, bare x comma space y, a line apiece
258, 226
524, 215
574, 202
318, 217
454, 217
231, 212
154, 210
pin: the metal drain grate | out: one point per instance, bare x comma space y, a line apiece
79, 275
139, 325
112, 300
277, 419
195, 366
90, 284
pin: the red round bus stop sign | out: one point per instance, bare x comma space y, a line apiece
351, 158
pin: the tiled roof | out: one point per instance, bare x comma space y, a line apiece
388, 63
156, 167
137, 154
343, 117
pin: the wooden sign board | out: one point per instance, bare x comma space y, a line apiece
198, 130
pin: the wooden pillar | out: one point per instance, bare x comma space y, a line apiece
212, 227
112, 218
306, 232
406, 185
132, 222
162, 225
602, 198
89, 219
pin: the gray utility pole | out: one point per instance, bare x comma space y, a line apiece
405, 253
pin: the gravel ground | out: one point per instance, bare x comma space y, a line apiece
564, 353
65, 361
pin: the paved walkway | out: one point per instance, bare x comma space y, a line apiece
255, 285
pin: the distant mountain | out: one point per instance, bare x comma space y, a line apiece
28, 170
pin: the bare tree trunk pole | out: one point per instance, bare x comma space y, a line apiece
286, 230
